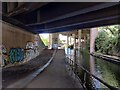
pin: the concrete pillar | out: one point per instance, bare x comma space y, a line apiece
58, 40
79, 39
74, 36
93, 35
70, 49
50, 41
79, 43
70, 40
55, 40
67, 44
84, 41
67, 40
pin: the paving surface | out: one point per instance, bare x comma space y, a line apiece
15, 73
55, 75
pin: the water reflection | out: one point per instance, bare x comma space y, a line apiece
107, 71
95, 82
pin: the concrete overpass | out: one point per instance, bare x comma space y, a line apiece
23, 21
59, 16
53, 17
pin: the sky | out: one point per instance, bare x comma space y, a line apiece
46, 35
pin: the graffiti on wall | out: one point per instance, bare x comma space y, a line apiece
16, 55
30, 51
5, 58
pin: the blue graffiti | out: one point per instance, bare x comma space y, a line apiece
16, 55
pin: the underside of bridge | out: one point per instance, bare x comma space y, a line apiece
50, 17
22, 22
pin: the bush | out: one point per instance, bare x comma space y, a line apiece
108, 40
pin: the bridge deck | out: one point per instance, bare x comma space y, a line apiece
55, 75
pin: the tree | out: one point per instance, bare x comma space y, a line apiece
45, 40
108, 40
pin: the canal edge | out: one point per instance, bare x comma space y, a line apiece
104, 57
77, 80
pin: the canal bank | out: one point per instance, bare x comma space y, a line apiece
112, 59
102, 69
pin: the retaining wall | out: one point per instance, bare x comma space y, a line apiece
14, 37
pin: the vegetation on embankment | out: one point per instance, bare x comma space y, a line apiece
108, 40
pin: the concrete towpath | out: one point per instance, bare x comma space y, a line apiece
55, 75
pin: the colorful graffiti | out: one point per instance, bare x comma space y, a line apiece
5, 58
29, 50
16, 55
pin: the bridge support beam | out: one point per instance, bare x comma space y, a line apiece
79, 39
55, 40
93, 35
67, 45
50, 41
67, 40
74, 36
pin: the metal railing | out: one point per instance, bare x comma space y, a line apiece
74, 66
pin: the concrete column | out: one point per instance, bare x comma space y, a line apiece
67, 40
93, 35
70, 49
74, 36
84, 41
70, 40
50, 41
79, 43
58, 40
79, 39
55, 40
67, 44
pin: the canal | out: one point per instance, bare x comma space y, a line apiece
106, 71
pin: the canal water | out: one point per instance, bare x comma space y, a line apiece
106, 71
